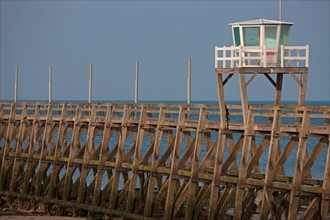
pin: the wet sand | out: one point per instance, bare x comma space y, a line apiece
15, 215
45, 217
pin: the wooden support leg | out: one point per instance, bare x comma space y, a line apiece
193, 183
18, 149
298, 174
120, 156
303, 88
89, 151
325, 202
243, 168
217, 171
152, 179
244, 97
174, 167
273, 148
8, 139
104, 149
278, 89
136, 161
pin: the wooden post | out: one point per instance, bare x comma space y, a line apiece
103, 156
119, 159
136, 82
16, 85
278, 89
244, 97
298, 172
46, 141
6, 148
90, 84
88, 153
325, 203
217, 173
137, 159
168, 212
50, 84
189, 81
221, 101
220, 149
29, 172
18, 152
193, 185
57, 150
74, 147
155, 158
240, 189
271, 163
303, 88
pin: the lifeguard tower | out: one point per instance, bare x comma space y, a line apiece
260, 47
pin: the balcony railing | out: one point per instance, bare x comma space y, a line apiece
287, 56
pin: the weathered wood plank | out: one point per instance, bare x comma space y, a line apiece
17, 166
193, 183
271, 163
137, 159
168, 212
298, 173
103, 156
239, 209
120, 156
154, 165
6, 149
325, 202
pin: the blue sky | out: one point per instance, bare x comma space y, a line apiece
161, 35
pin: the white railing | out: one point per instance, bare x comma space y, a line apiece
287, 56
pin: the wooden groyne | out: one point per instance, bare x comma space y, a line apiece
148, 161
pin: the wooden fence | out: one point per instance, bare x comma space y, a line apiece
170, 161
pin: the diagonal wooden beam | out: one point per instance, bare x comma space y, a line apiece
261, 148
315, 153
181, 199
224, 201
286, 153
167, 153
270, 79
250, 79
207, 157
202, 199
232, 155
227, 79
187, 154
295, 78
148, 153
313, 210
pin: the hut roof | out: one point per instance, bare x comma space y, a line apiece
261, 22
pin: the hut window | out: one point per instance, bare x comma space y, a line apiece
251, 36
270, 37
236, 36
284, 36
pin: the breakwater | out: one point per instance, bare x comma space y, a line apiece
148, 161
